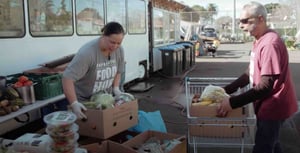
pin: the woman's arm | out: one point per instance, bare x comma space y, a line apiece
69, 89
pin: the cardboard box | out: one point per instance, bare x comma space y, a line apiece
143, 137
108, 122
197, 110
107, 147
218, 129
207, 124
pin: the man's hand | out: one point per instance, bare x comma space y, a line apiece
224, 107
77, 109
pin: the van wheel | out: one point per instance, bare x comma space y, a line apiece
142, 70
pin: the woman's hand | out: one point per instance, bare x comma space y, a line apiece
77, 109
117, 92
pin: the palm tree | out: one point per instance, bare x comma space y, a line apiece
212, 10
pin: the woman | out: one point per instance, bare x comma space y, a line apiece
97, 66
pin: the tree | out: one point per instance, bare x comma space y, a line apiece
197, 12
212, 10
190, 15
201, 11
271, 7
224, 22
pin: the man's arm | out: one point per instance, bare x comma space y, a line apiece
240, 82
260, 91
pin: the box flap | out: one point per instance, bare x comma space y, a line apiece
143, 137
107, 147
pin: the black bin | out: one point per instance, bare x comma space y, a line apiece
192, 53
186, 55
171, 60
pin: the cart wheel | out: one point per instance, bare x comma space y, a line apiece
187, 146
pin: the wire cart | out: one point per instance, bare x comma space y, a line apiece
205, 130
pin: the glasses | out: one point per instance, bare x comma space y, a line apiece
245, 21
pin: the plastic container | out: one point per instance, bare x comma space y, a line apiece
27, 93
63, 147
65, 136
63, 131
47, 85
69, 142
60, 120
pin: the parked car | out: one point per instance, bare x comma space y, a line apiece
210, 39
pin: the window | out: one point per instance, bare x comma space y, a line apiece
12, 18
89, 17
50, 17
136, 17
166, 27
172, 27
116, 11
158, 27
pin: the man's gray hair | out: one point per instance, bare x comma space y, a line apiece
256, 9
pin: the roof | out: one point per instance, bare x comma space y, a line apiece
170, 5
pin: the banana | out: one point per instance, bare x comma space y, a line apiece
205, 99
206, 102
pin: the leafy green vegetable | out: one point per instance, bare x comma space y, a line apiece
106, 100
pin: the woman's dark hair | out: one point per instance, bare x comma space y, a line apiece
112, 28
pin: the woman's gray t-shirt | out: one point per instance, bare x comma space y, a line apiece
92, 71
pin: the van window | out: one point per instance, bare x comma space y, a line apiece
12, 23
89, 17
116, 11
136, 17
50, 18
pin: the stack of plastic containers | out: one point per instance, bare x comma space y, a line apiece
63, 131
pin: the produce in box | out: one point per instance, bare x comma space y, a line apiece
104, 100
211, 95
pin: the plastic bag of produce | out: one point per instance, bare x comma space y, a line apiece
212, 93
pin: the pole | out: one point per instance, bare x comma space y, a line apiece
233, 19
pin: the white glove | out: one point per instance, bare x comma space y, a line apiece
117, 92
77, 108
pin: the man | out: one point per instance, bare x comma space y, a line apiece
271, 87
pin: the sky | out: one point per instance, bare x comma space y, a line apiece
225, 7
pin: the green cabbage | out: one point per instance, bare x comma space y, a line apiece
106, 100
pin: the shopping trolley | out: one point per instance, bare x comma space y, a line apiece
206, 130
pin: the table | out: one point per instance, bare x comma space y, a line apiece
27, 108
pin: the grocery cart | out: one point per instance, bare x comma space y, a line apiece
206, 130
